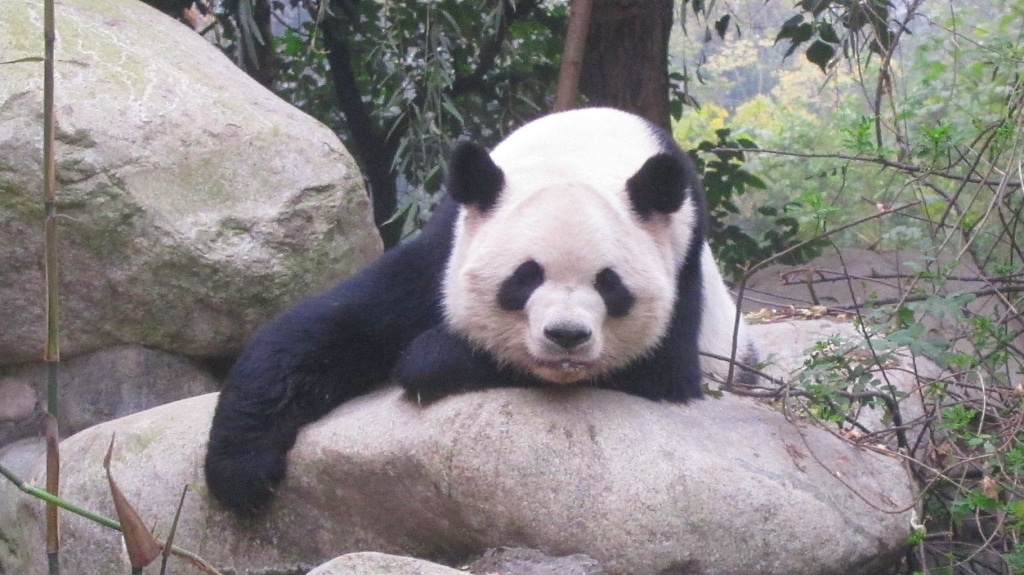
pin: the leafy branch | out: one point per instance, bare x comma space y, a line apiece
877, 160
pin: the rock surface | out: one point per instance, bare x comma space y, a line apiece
503, 561
370, 563
107, 384
17, 400
194, 202
519, 561
724, 486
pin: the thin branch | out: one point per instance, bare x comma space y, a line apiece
823, 276
765, 262
921, 297
902, 166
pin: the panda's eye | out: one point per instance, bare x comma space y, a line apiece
518, 287
617, 297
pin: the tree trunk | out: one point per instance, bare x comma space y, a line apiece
626, 63
568, 92
370, 147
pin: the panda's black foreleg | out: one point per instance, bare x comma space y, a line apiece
325, 350
682, 342
293, 371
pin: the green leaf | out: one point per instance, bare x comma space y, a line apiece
722, 25
792, 22
827, 33
820, 54
815, 7
1017, 509
796, 31
799, 35
754, 181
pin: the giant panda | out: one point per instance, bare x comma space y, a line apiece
573, 254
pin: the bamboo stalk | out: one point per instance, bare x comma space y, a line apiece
51, 355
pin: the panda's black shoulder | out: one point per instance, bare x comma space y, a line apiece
382, 308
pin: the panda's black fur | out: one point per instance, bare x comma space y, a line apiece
388, 322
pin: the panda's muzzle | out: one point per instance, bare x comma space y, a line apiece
567, 337
564, 341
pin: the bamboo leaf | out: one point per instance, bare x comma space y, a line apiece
22, 60
143, 547
174, 528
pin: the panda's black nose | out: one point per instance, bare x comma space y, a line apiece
567, 336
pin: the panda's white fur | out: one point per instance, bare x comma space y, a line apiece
718, 324
564, 204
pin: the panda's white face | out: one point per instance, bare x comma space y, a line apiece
568, 243
561, 280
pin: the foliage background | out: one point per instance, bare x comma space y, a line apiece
915, 135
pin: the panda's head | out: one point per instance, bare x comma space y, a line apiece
566, 272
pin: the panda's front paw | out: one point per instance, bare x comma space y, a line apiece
244, 480
425, 394
438, 363
428, 381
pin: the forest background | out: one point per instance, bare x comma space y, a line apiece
820, 126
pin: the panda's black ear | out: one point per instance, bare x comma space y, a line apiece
473, 178
660, 185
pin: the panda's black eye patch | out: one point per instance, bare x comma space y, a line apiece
518, 287
617, 297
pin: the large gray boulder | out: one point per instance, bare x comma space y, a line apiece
724, 486
194, 202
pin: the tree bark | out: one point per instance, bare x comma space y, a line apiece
626, 63
367, 141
